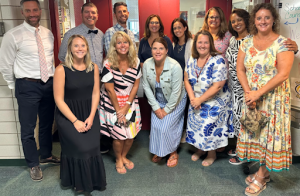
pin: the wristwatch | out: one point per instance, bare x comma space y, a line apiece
295, 52
128, 102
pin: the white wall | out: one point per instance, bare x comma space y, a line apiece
192, 7
10, 142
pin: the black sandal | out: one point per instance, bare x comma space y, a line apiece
237, 161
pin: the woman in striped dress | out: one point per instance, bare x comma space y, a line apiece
166, 94
119, 110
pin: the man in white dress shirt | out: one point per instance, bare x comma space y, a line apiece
26, 62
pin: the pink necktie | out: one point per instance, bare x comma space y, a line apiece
42, 58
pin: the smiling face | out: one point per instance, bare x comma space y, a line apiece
178, 29
159, 52
154, 25
238, 24
32, 13
89, 16
213, 20
122, 14
78, 48
122, 45
202, 45
264, 20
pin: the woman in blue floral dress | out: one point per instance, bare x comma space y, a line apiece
209, 112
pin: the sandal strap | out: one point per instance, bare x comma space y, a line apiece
263, 177
260, 185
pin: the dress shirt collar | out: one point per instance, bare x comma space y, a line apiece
30, 28
86, 29
119, 27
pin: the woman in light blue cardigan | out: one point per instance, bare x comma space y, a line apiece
164, 88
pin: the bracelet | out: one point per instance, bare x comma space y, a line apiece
128, 102
75, 121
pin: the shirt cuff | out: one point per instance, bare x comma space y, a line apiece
11, 85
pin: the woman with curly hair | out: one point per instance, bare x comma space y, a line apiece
263, 68
120, 116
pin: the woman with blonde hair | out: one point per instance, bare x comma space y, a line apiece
76, 94
119, 109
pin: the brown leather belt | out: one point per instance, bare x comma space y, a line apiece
36, 80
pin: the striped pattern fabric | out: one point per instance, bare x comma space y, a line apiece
166, 133
123, 85
42, 58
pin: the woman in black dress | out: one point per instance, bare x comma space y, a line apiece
76, 93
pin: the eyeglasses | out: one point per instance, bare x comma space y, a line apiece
154, 22
214, 17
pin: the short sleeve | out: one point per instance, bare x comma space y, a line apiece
219, 69
281, 46
139, 70
106, 75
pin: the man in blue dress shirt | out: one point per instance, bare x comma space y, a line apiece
121, 14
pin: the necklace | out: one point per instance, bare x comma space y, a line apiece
179, 48
198, 74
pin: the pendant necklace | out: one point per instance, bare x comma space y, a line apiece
198, 74
179, 48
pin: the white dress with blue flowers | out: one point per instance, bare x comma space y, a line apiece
208, 128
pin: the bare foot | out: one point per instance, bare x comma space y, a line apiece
210, 159
120, 167
173, 160
128, 164
196, 156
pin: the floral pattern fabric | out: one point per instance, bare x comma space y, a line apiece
272, 146
221, 45
208, 128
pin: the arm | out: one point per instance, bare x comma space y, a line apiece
176, 85
123, 111
170, 48
291, 45
241, 70
211, 92
58, 91
64, 47
106, 39
284, 65
188, 86
95, 98
8, 53
140, 53
148, 91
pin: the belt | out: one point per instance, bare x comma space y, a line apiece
36, 80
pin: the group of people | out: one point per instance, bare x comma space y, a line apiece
198, 85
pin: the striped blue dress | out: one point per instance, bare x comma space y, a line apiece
166, 133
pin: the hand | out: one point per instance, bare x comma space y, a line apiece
196, 103
123, 111
164, 113
122, 121
290, 45
251, 96
252, 106
158, 113
80, 126
88, 122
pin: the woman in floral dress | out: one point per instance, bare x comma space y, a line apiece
263, 68
205, 81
